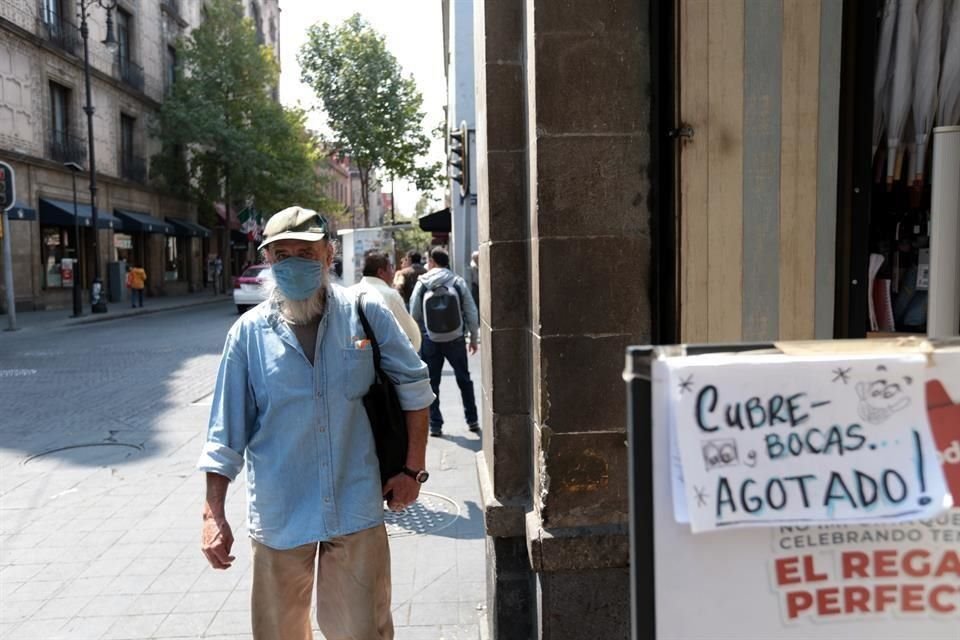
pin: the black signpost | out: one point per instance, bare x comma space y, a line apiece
8, 197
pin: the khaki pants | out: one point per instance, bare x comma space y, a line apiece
353, 589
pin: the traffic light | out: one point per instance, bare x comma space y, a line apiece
460, 158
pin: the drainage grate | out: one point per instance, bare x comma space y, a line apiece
431, 512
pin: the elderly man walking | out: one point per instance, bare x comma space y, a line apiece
288, 408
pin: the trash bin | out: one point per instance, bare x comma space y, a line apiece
117, 281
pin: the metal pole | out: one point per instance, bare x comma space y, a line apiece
98, 304
77, 302
8, 273
227, 260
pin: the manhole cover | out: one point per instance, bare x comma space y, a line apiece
89, 455
429, 513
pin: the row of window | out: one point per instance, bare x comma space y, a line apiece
337, 191
66, 147
64, 34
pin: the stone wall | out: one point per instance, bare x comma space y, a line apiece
563, 112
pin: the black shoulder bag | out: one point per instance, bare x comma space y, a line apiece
384, 412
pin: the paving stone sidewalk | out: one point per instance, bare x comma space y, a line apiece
102, 542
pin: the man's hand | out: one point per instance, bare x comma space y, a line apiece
217, 542
472, 348
402, 491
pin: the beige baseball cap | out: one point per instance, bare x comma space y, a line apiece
294, 223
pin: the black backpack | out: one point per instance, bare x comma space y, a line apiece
442, 315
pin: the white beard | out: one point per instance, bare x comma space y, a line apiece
300, 311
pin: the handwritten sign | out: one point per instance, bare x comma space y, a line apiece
774, 440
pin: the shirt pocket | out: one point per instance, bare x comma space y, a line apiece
357, 372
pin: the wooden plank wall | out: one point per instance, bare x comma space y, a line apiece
759, 83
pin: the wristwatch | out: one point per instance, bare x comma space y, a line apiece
420, 476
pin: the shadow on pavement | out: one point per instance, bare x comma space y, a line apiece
471, 442
469, 526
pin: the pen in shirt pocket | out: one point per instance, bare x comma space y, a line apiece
361, 344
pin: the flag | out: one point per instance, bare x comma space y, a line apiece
251, 223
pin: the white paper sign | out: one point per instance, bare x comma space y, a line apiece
776, 440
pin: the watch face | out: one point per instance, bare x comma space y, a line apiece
422, 477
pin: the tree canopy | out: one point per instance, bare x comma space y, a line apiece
373, 110
224, 136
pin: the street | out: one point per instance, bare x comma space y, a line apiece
100, 507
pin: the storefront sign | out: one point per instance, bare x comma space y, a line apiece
813, 580
66, 271
776, 439
122, 241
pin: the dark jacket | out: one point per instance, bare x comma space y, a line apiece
406, 280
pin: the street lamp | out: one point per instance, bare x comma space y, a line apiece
98, 302
77, 303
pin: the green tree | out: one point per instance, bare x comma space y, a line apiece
222, 134
415, 238
373, 110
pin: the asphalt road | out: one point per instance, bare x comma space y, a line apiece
90, 380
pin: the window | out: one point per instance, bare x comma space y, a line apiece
171, 67
257, 21
127, 128
124, 37
175, 265
59, 113
58, 253
52, 11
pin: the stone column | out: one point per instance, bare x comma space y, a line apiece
588, 106
503, 229
564, 223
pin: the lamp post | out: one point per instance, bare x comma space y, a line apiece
98, 302
77, 302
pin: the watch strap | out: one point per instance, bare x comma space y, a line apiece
413, 473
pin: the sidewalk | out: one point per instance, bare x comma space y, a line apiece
58, 318
103, 544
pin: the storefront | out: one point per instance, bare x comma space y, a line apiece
146, 237
915, 100
189, 240
794, 180
66, 243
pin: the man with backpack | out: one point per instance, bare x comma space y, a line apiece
442, 305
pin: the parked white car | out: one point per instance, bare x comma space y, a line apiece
248, 289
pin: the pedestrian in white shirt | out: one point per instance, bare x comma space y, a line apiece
377, 278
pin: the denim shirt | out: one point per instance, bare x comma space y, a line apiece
301, 429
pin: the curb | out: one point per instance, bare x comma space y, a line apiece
143, 312
106, 317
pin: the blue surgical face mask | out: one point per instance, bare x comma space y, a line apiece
298, 278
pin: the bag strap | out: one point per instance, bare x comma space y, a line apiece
368, 330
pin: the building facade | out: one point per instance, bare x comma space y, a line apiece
458, 46
43, 126
665, 172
